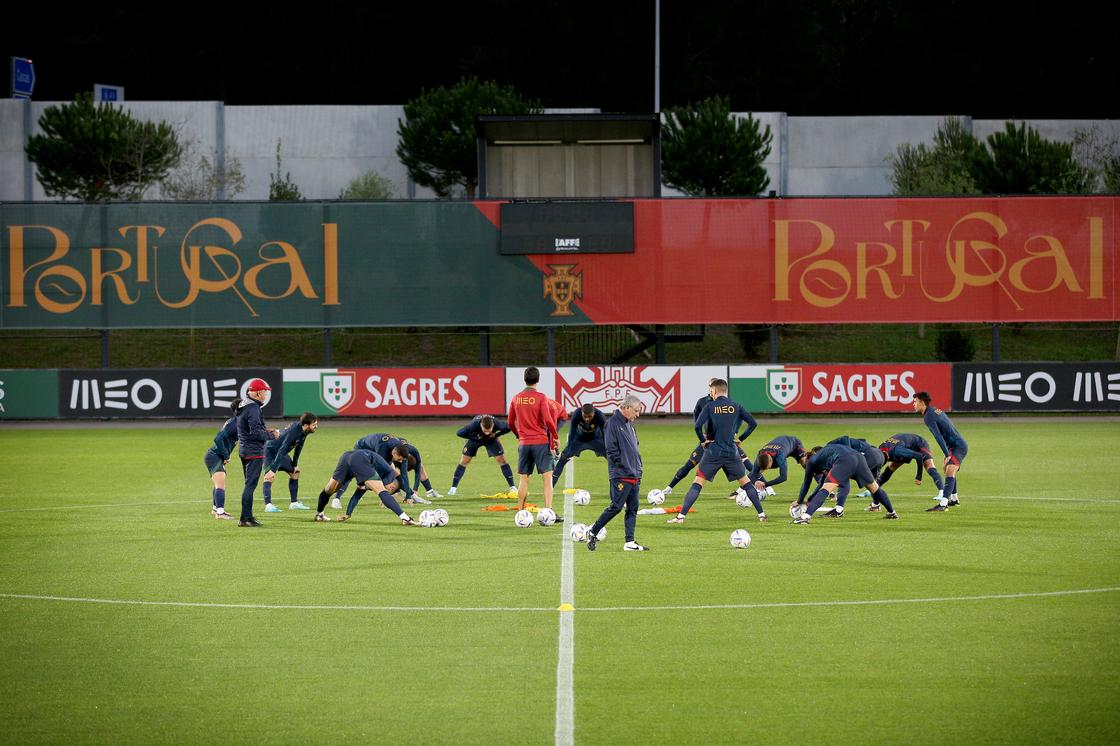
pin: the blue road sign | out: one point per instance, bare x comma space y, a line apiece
23, 77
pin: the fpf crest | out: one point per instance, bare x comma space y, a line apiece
562, 287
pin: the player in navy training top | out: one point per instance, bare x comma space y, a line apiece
251, 437
372, 473
953, 445
483, 431
393, 450
774, 454
585, 433
838, 464
414, 463
723, 453
702, 440
902, 448
277, 459
216, 458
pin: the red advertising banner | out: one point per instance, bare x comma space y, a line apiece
839, 388
379, 392
851, 260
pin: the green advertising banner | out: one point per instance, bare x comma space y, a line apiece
27, 394
262, 265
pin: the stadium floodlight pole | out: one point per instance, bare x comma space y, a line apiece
657, 57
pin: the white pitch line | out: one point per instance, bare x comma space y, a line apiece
520, 609
99, 505
281, 607
566, 655
868, 602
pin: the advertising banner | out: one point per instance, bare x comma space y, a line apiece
694, 261
162, 392
30, 394
1036, 387
871, 387
662, 389
394, 392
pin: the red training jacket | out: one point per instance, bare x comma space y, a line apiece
531, 418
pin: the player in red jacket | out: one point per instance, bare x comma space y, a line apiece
533, 421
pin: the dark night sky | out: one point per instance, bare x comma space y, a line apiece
1028, 59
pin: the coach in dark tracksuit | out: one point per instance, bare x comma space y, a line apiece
624, 464
251, 437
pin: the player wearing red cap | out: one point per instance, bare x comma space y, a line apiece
251, 437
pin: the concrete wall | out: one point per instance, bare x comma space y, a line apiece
325, 147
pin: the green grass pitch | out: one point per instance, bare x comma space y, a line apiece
958, 627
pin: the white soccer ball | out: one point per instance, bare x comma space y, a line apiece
578, 531
741, 498
655, 497
442, 516
582, 497
740, 538
546, 516
795, 510
427, 518
523, 518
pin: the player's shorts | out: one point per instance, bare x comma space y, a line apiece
353, 465
493, 448
284, 463
596, 445
710, 465
850, 466
957, 454
875, 460
539, 456
214, 462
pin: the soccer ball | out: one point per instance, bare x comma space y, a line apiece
795, 510
427, 518
442, 517
740, 539
582, 497
578, 531
546, 516
655, 497
523, 519
741, 498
